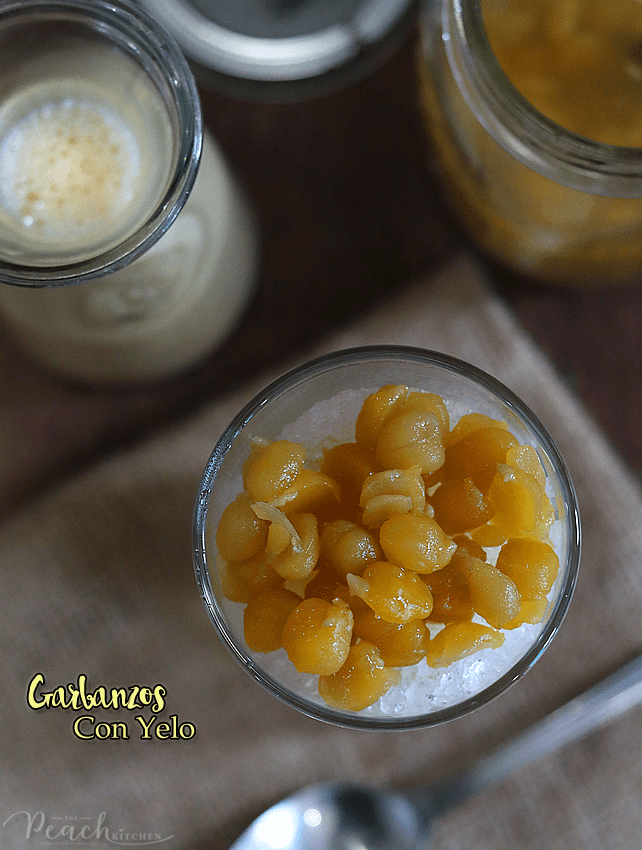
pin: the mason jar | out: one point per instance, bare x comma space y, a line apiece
127, 248
533, 112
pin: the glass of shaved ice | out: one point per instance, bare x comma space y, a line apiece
386, 538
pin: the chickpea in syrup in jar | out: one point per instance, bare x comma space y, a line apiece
579, 64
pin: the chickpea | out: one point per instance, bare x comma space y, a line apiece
410, 439
349, 464
416, 542
361, 681
391, 492
264, 618
516, 498
531, 564
243, 580
376, 410
457, 640
428, 403
493, 594
476, 455
349, 548
271, 469
317, 635
405, 645
394, 594
240, 534
298, 563
459, 506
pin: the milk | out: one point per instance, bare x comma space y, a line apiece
88, 149
69, 170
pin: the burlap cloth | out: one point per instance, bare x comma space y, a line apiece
97, 579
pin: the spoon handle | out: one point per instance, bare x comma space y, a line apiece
599, 705
596, 707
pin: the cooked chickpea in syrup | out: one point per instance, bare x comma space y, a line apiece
579, 64
353, 566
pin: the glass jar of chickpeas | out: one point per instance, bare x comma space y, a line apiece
534, 110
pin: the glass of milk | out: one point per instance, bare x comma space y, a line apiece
317, 405
127, 249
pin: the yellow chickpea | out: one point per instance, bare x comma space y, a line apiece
317, 635
410, 439
472, 422
240, 534
459, 506
416, 542
532, 611
532, 564
526, 459
390, 492
457, 640
349, 464
476, 456
394, 594
452, 606
367, 625
468, 546
361, 681
349, 548
516, 498
493, 594
488, 535
264, 617
428, 403
333, 532
376, 410
243, 580
405, 645
451, 595
272, 468
298, 561
311, 491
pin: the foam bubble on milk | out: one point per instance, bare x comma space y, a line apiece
68, 167
422, 689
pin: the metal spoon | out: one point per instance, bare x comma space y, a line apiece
353, 817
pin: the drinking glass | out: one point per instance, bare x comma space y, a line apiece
320, 399
127, 249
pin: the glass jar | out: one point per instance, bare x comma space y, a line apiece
127, 249
316, 406
533, 190
282, 52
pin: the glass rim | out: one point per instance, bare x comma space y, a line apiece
535, 140
317, 49
324, 364
141, 36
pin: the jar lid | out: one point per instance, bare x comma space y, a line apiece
283, 49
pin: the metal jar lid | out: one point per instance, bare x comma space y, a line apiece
280, 50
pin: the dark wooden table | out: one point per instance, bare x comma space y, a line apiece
350, 213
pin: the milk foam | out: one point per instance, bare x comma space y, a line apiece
67, 168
